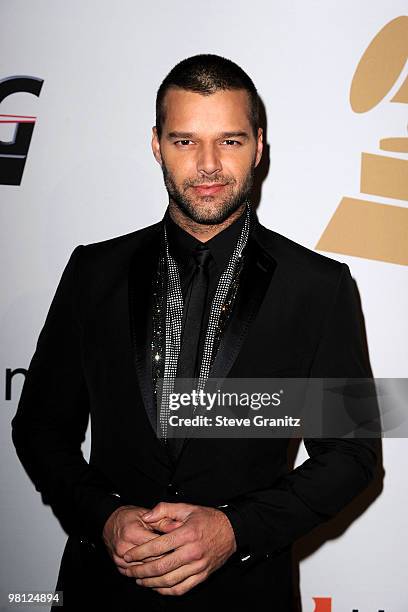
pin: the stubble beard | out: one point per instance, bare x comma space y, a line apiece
209, 215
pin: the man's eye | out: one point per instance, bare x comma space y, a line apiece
232, 141
182, 142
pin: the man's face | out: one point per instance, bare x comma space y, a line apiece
208, 152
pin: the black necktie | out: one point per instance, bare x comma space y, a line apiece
188, 365
188, 362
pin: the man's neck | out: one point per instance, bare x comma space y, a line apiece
199, 230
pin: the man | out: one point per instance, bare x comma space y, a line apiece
206, 292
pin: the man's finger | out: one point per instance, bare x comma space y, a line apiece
183, 556
127, 541
159, 545
172, 578
182, 587
165, 525
120, 562
163, 510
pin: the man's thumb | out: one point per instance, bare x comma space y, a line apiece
166, 510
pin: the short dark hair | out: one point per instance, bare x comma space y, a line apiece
205, 74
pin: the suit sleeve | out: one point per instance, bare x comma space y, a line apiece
52, 417
337, 470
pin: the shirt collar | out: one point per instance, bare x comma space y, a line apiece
182, 244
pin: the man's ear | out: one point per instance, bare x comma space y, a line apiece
156, 145
259, 146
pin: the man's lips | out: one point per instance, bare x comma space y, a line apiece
209, 189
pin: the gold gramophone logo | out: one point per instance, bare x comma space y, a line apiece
366, 228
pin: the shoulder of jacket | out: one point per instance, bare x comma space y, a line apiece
130, 238
298, 261
118, 246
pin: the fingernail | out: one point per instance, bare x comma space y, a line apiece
147, 516
127, 558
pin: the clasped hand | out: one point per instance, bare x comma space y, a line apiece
197, 541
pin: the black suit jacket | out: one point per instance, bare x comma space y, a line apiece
297, 315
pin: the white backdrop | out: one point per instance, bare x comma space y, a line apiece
90, 175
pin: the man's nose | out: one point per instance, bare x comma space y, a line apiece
208, 160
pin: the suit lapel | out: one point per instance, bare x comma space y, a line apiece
142, 270
256, 277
